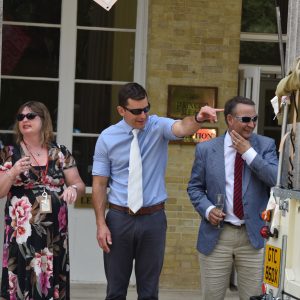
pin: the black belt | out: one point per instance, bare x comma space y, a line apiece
142, 211
234, 226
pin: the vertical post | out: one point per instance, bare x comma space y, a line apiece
279, 29
283, 132
67, 57
285, 105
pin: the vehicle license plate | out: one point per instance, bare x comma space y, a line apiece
272, 265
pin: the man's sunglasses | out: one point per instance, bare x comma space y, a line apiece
29, 116
247, 119
138, 111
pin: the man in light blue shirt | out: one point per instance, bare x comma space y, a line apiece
123, 235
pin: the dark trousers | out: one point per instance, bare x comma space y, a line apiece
139, 238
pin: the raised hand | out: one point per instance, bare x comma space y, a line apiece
208, 114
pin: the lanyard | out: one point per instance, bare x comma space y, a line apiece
43, 172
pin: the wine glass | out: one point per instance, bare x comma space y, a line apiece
220, 202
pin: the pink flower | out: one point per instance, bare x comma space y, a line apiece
43, 262
12, 285
56, 293
29, 186
62, 218
6, 166
61, 159
7, 230
5, 256
20, 213
44, 282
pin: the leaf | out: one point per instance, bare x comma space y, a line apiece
38, 287
22, 250
11, 263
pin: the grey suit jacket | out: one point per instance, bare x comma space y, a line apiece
208, 179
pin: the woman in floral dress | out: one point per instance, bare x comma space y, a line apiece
33, 176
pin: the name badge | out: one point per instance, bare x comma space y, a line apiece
45, 203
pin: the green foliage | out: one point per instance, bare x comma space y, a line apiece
259, 16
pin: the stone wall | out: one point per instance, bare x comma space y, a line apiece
190, 42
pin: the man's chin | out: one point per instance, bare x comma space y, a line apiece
247, 135
140, 125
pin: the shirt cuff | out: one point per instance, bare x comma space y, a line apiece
208, 211
249, 155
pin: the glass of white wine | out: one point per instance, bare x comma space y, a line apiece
220, 202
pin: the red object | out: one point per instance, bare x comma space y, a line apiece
263, 289
266, 215
265, 232
238, 180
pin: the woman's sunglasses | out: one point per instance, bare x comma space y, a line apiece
29, 116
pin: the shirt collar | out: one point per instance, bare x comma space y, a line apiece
128, 128
227, 140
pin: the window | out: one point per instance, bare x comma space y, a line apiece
259, 38
30, 55
73, 55
104, 60
259, 46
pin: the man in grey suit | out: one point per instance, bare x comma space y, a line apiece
216, 170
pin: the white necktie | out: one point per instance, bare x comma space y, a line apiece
135, 180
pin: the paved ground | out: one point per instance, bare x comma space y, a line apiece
97, 292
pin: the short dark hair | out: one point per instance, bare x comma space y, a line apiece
231, 104
131, 90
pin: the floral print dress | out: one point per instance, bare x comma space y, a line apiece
35, 252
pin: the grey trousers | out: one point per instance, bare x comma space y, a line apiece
215, 268
140, 239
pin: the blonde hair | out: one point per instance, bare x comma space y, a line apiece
42, 111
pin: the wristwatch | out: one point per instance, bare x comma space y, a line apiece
196, 115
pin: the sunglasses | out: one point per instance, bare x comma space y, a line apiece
247, 119
29, 116
138, 111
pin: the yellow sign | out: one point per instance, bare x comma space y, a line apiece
272, 265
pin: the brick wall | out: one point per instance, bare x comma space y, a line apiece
190, 42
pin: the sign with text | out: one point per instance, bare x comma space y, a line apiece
84, 202
187, 100
202, 135
272, 265
106, 4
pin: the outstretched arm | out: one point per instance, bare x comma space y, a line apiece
189, 125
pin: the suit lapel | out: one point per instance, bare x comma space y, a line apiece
218, 163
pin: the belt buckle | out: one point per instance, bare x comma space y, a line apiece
131, 213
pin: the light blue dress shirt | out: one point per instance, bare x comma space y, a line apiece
111, 158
